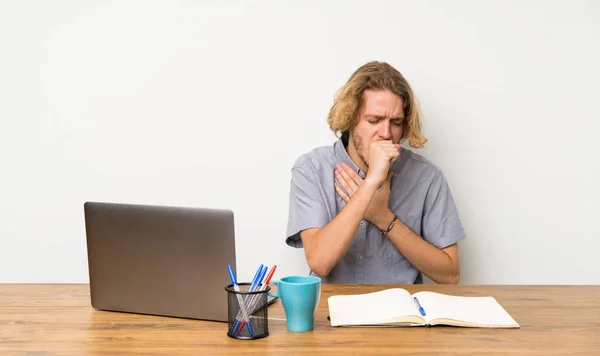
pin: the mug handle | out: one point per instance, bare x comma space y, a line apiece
275, 295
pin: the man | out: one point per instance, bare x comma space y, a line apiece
366, 211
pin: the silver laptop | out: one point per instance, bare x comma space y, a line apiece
169, 261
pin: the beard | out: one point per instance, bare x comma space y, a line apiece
359, 146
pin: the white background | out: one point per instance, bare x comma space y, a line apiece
209, 103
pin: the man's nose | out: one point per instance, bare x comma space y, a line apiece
385, 131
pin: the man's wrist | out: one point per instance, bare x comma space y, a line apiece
384, 220
371, 183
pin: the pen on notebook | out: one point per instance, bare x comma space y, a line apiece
239, 325
253, 287
240, 302
421, 310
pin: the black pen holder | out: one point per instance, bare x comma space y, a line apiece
247, 312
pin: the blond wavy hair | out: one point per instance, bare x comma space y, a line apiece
343, 115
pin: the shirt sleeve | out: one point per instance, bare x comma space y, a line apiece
441, 223
307, 206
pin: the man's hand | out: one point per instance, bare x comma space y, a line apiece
381, 155
378, 212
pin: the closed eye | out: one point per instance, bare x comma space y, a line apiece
373, 119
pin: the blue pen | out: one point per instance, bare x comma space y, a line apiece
420, 307
256, 275
262, 285
240, 302
258, 281
236, 325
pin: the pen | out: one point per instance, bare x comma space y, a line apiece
264, 286
268, 279
256, 297
239, 298
419, 305
237, 325
255, 283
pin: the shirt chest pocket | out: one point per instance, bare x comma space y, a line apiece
386, 247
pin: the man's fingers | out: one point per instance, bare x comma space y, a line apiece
341, 192
389, 144
345, 181
352, 174
391, 149
393, 155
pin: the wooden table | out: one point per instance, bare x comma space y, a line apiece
58, 320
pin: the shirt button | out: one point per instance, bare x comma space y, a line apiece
361, 174
362, 223
359, 257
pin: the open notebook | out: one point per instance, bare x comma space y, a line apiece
397, 307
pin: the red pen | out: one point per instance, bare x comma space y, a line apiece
254, 299
268, 279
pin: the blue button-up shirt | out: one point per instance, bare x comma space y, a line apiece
420, 197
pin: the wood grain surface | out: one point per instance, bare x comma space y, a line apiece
57, 319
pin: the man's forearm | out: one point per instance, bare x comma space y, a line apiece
331, 242
433, 262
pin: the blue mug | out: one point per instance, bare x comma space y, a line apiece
300, 297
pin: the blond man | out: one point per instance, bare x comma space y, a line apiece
364, 210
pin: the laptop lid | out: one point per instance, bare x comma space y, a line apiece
169, 261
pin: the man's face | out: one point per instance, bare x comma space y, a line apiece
380, 117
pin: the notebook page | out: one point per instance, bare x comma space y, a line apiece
478, 311
370, 308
